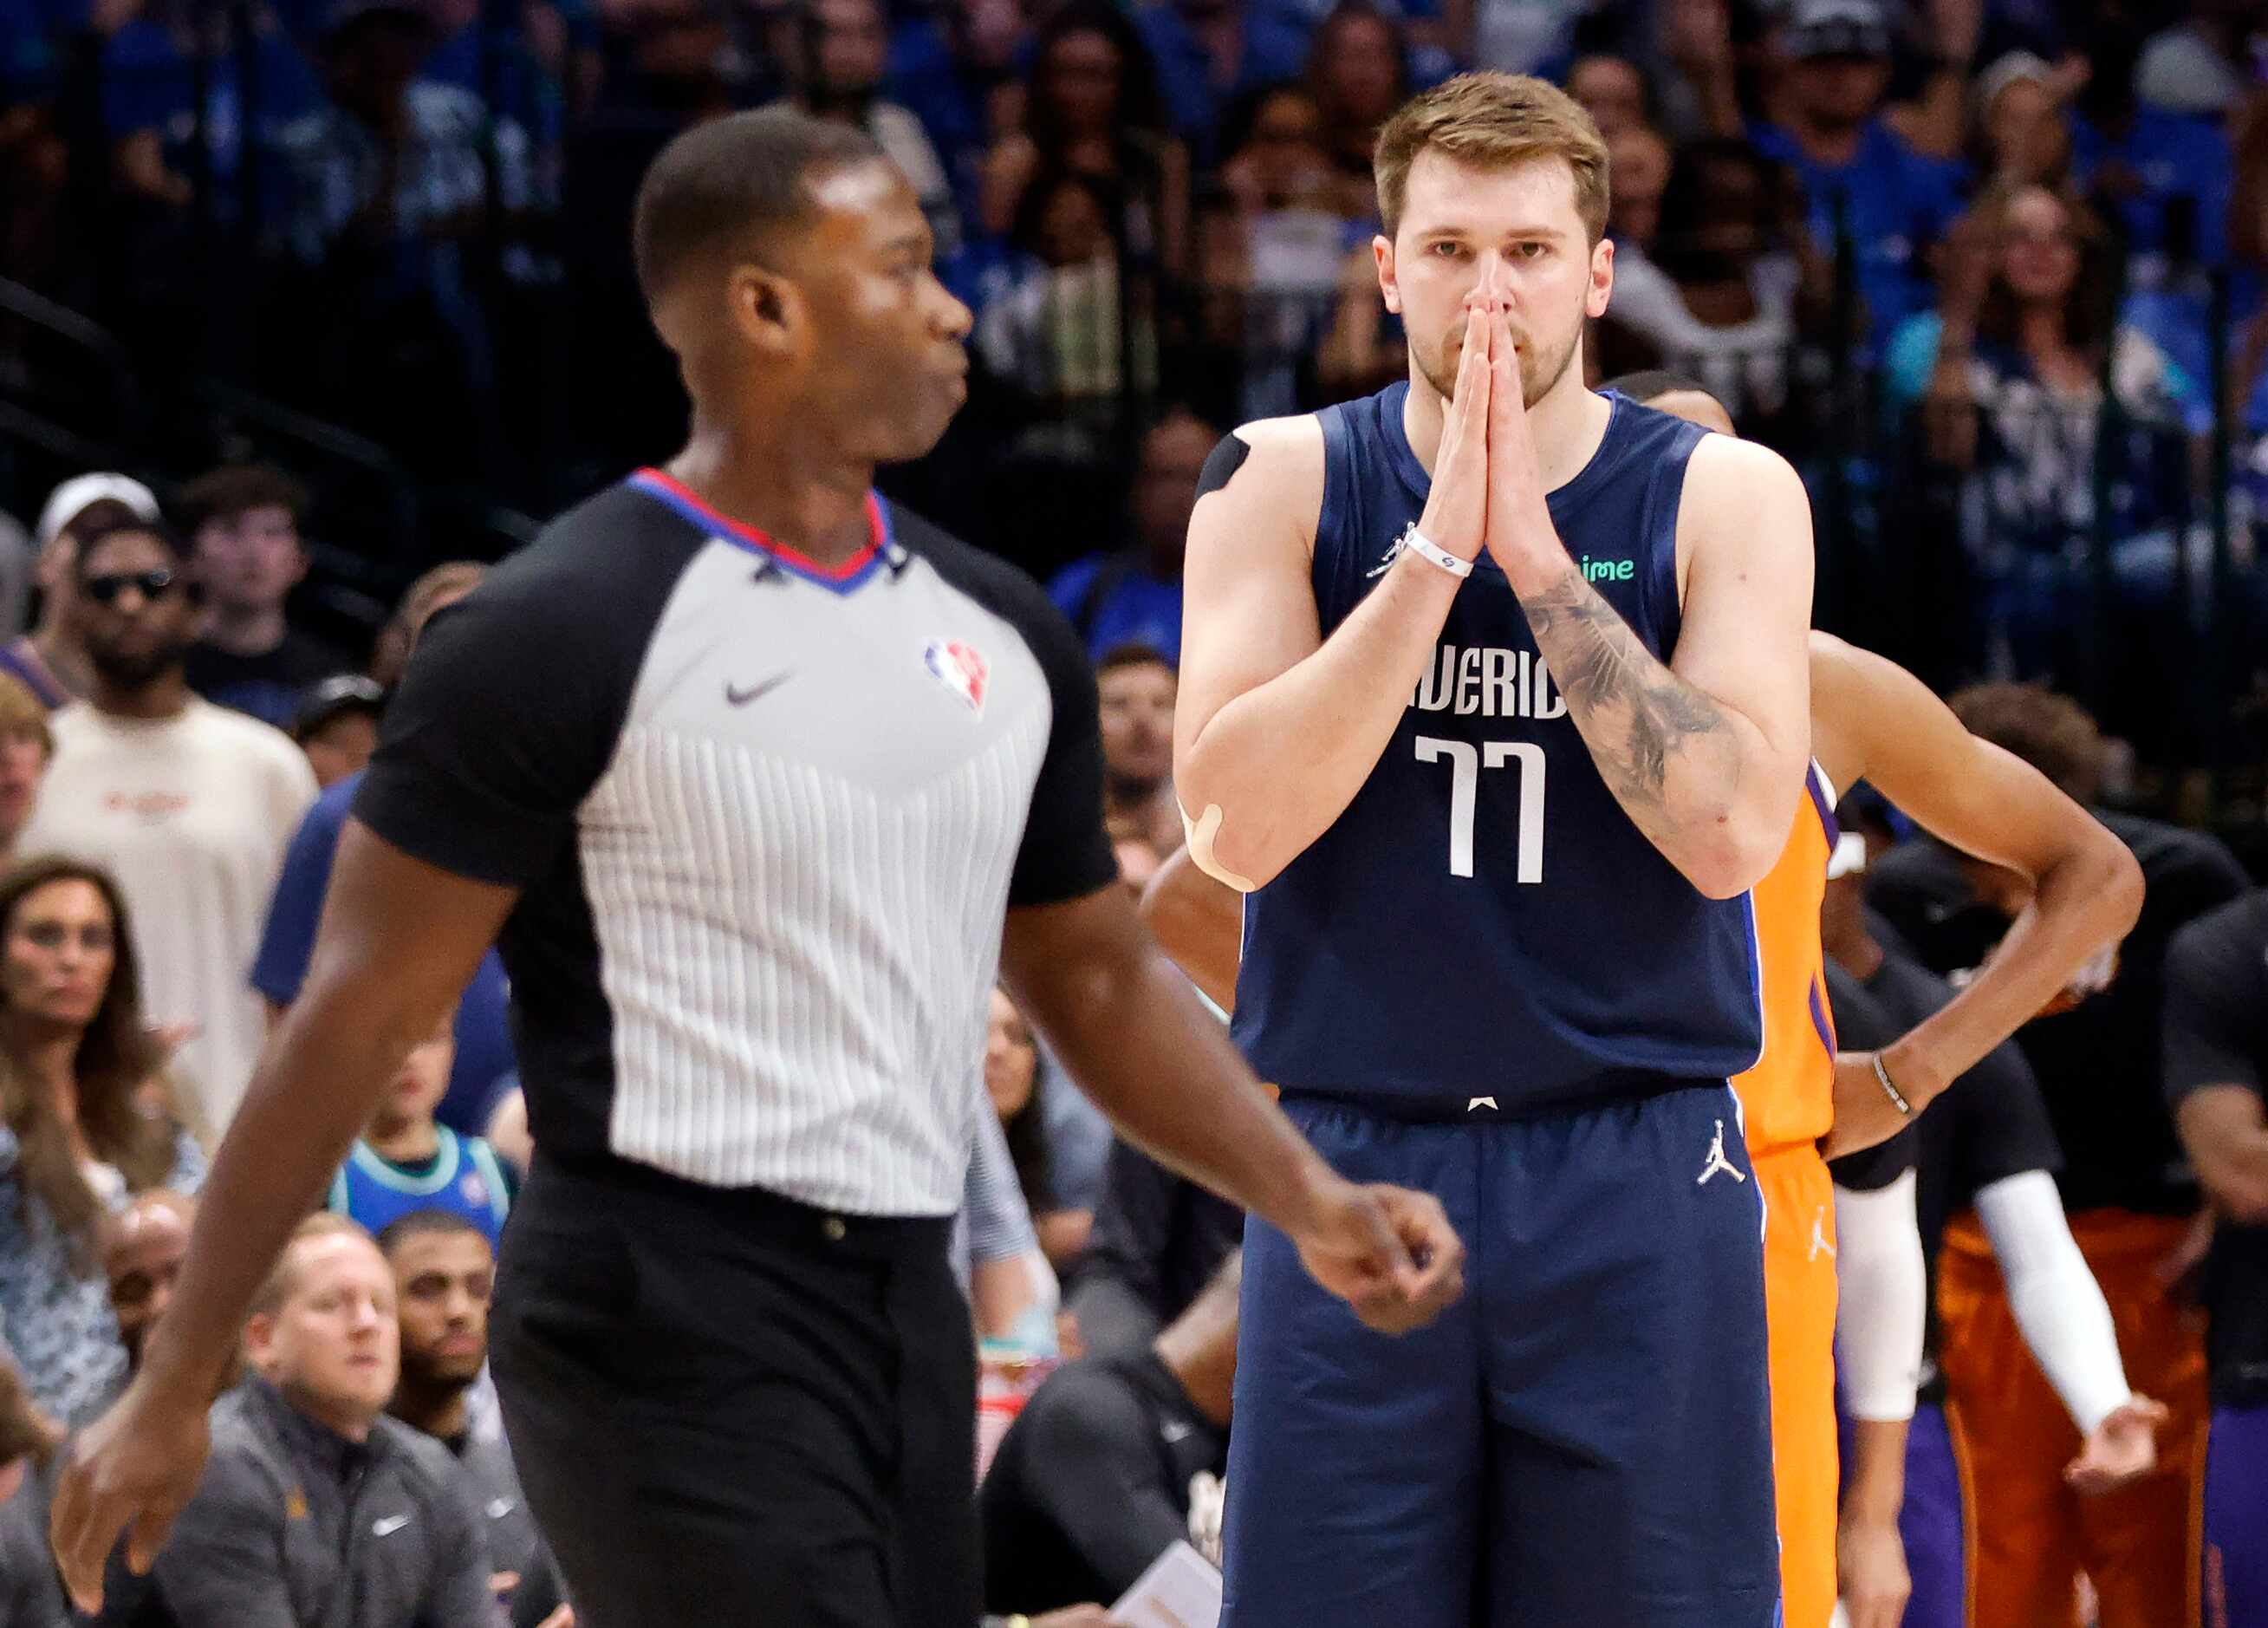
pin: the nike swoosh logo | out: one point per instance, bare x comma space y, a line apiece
389, 1526
738, 697
499, 1507
1174, 1431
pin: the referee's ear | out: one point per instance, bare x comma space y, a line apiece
766, 308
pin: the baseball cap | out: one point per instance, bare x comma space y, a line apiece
82, 493
334, 698
2009, 69
1838, 28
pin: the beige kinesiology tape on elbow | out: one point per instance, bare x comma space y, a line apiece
1202, 832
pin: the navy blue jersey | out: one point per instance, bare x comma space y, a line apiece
1485, 919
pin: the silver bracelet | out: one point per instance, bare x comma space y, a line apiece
1425, 548
1897, 1098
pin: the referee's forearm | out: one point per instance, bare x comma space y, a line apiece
323, 1072
1136, 1039
1162, 1068
399, 942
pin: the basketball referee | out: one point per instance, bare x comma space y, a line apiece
741, 768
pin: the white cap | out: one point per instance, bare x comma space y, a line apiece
80, 493
2006, 70
1838, 28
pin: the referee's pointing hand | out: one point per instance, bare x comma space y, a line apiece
1389, 1253
133, 1471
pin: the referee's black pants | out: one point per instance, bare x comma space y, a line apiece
731, 1409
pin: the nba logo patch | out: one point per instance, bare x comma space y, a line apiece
475, 1191
959, 669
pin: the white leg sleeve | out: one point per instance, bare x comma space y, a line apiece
2058, 1305
1882, 1301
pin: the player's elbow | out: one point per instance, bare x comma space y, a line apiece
1724, 881
1735, 856
1229, 835
1245, 869
1738, 841
2117, 880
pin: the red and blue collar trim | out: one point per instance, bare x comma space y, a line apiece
881, 546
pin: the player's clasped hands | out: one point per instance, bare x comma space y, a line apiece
1387, 1252
1456, 511
1488, 492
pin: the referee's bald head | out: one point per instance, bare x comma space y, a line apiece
727, 189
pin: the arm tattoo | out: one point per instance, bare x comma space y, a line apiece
1639, 719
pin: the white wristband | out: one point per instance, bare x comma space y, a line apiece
1425, 548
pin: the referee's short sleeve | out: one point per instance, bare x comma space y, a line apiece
1066, 853
507, 718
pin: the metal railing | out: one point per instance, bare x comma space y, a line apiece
1914, 555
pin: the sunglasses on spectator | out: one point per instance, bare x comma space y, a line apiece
152, 584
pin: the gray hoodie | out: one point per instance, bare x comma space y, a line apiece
30, 1597
296, 1526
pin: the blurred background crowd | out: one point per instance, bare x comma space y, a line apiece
1988, 270
310, 308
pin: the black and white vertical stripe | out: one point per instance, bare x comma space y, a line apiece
764, 820
798, 960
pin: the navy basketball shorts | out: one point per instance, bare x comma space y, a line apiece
1583, 1441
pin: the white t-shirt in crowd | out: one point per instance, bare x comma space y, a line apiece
191, 814
1744, 365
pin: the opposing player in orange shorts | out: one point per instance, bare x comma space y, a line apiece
1871, 719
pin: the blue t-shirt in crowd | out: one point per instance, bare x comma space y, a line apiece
526, 91
29, 29
1894, 203
2184, 166
1131, 608
1275, 50
925, 79
149, 84
484, 1054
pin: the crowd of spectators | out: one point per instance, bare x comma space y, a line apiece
1983, 267
1990, 269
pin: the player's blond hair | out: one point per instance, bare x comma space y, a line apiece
1491, 121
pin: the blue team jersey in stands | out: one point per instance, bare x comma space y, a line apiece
1485, 919
464, 1179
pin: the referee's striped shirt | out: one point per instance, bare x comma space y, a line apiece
766, 818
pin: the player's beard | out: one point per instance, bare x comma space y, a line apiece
1540, 371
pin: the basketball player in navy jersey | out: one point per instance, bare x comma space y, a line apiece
1494, 703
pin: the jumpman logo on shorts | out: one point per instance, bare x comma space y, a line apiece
1716, 1164
1819, 1244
